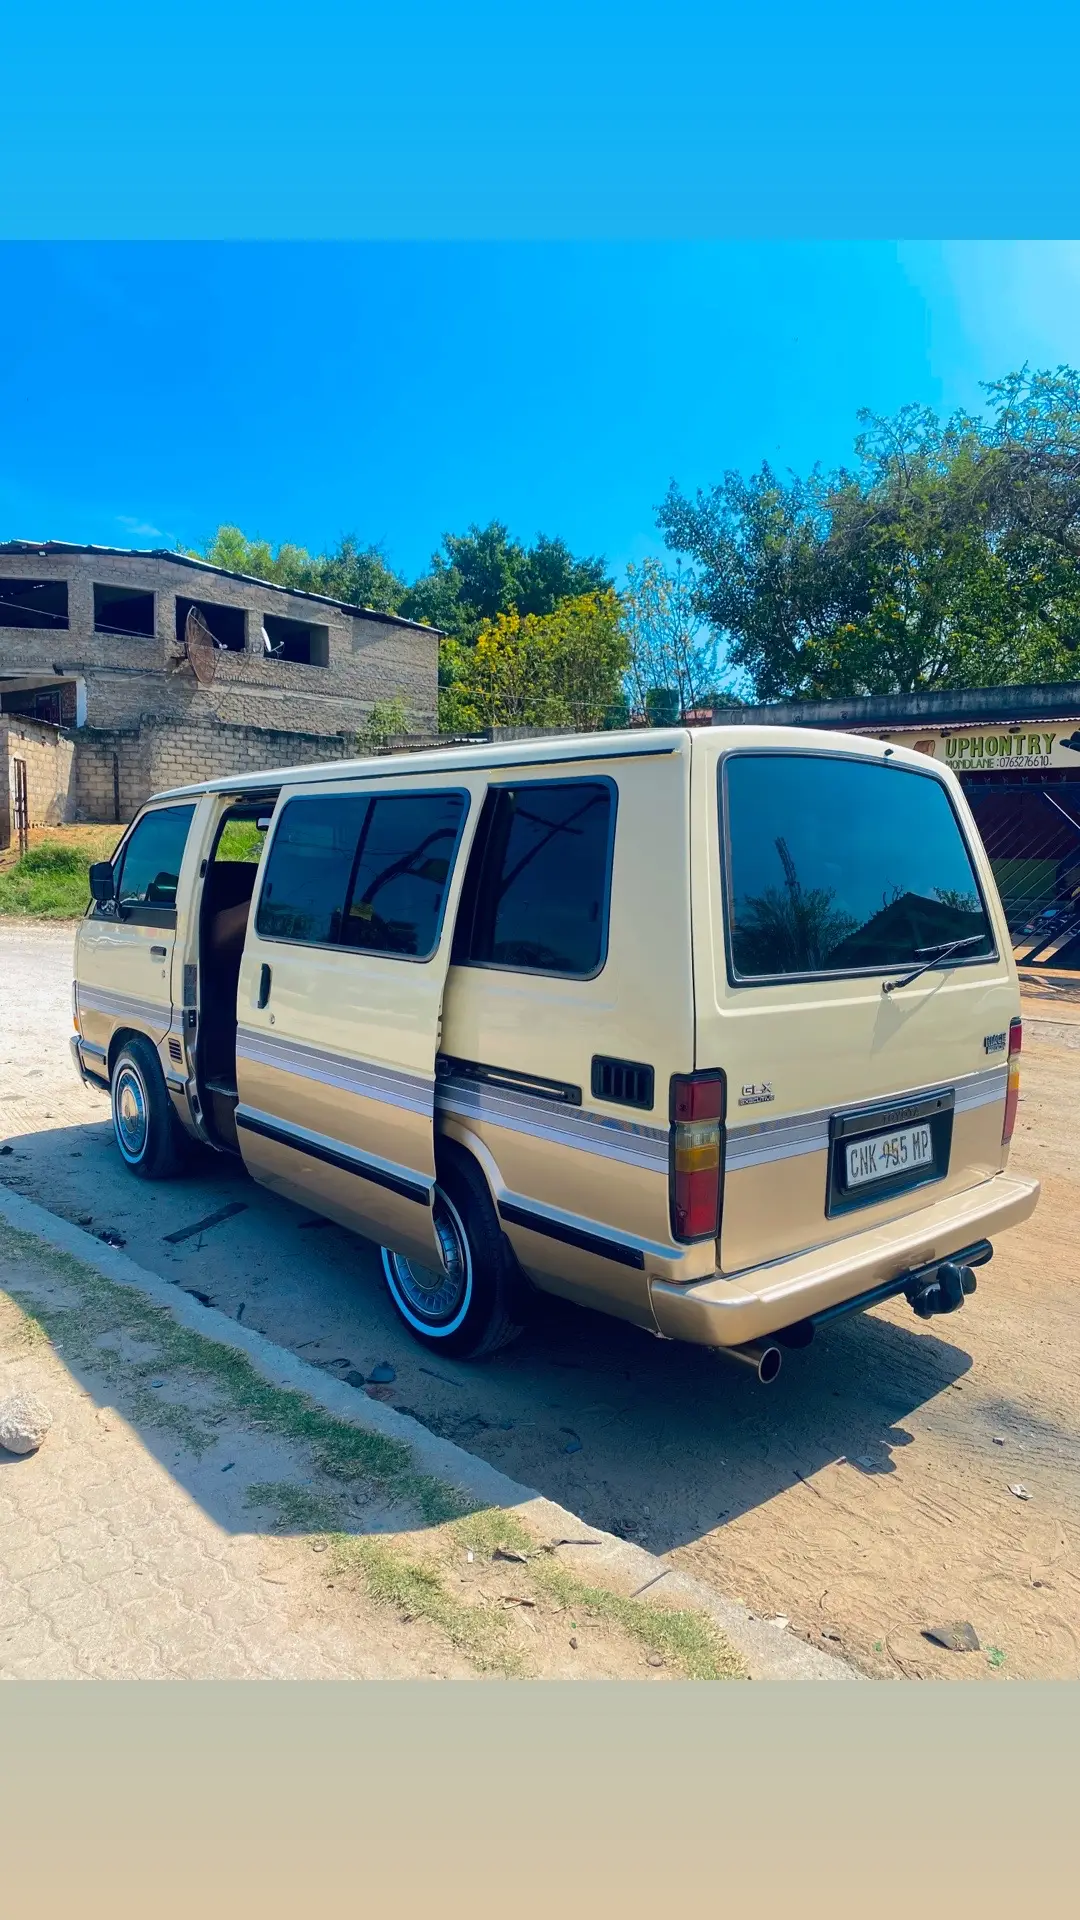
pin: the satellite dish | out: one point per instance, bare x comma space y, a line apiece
199, 642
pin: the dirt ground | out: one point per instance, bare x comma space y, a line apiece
864, 1498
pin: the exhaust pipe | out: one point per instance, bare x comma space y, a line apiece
765, 1358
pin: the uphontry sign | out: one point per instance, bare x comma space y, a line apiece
997, 749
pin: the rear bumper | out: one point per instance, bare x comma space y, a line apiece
719, 1312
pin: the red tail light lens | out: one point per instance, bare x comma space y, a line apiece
1012, 1093
697, 1123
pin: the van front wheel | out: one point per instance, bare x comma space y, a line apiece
464, 1307
144, 1123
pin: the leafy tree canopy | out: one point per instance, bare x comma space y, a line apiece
478, 575
559, 669
349, 572
947, 555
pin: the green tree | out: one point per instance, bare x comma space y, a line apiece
478, 575
358, 575
673, 652
560, 669
948, 555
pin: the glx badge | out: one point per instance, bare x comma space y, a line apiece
756, 1093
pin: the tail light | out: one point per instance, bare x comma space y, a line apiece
1012, 1094
697, 1122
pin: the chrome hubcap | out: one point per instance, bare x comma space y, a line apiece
129, 1112
435, 1294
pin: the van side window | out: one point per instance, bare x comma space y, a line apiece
399, 874
536, 895
150, 862
366, 873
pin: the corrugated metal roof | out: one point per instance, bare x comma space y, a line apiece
46, 548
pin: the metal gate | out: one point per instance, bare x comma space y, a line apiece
1030, 826
22, 806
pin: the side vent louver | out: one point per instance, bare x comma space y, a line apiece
628, 1083
176, 1052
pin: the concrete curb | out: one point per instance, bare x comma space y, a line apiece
769, 1652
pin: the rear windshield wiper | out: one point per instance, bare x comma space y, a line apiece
940, 952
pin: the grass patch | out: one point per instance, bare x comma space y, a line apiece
687, 1639
393, 1579
416, 1592
295, 1509
27, 1331
51, 880
104, 1307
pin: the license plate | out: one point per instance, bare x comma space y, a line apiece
887, 1154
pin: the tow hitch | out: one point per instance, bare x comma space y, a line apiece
943, 1293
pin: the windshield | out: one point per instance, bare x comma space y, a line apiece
840, 866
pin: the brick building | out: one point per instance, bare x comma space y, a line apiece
103, 703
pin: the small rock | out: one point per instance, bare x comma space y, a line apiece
157, 1383
382, 1375
510, 1553
959, 1637
999, 1439
319, 1546
864, 1460
573, 1640
7, 1149
84, 1219
24, 1422
780, 1620
656, 1659
572, 1446
829, 1633
354, 1377
1020, 1491
112, 1239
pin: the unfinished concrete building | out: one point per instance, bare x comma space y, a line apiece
124, 672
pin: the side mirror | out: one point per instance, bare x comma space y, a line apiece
102, 882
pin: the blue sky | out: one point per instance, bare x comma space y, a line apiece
400, 390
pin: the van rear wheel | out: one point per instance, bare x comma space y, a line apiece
145, 1126
466, 1307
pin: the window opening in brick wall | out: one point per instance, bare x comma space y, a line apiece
38, 703
296, 640
227, 624
33, 603
124, 610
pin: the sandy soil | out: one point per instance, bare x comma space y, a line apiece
864, 1498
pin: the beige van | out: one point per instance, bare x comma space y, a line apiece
716, 1030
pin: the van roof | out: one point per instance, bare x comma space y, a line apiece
640, 742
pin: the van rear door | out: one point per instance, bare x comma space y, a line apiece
340, 997
859, 1086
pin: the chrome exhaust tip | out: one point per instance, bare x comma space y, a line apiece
765, 1358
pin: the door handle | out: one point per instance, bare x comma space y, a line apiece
264, 985
158, 953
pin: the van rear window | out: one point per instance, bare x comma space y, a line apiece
843, 866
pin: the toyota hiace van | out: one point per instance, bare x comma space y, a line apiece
713, 1029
